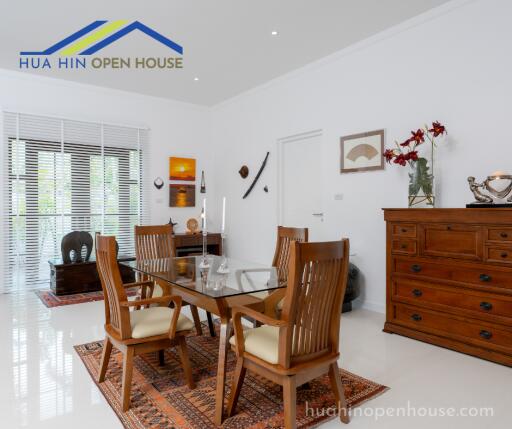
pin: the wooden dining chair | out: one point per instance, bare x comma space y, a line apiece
156, 242
139, 331
273, 301
304, 343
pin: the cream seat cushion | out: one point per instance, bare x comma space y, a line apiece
157, 291
156, 321
262, 342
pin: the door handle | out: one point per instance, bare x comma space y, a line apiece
318, 214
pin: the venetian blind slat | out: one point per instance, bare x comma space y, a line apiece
61, 175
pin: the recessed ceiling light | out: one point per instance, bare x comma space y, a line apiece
274, 33
196, 79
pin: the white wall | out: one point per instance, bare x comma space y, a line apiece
452, 64
177, 129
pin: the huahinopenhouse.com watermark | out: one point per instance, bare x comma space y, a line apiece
409, 410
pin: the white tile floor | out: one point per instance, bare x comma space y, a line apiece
45, 385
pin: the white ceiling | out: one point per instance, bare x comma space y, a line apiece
227, 43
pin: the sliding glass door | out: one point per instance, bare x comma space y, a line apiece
88, 180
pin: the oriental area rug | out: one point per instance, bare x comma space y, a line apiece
161, 399
50, 300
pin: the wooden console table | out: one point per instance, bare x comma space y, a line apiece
192, 244
81, 277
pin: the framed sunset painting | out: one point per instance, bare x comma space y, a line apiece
182, 195
182, 169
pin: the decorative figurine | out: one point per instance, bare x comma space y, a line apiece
498, 185
192, 226
203, 185
72, 244
244, 171
473, 186
159, 183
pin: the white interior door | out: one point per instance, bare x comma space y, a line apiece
301, 183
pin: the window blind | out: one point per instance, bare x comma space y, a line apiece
63, 175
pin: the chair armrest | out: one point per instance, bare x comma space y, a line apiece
238, 312
138, 284
272, 300
148, 301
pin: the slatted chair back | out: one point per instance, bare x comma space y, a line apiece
117, 318
286, 236
317, 281
154, 242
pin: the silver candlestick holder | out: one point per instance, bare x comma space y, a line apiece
204, 260
224, 267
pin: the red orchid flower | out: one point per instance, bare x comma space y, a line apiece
400, 159
418, 137
406, 143
437, 129
411, 156
389, 154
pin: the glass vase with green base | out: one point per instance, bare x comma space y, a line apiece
421, 185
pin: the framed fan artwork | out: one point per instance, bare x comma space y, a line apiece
362, 152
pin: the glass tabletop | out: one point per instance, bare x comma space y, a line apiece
242, 278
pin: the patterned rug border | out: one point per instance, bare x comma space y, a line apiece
130, 419
71, 299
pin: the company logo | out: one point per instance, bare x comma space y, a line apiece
75, 51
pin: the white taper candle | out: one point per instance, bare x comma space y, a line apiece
223, 215
204, 214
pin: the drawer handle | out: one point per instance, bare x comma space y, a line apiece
449, 227
403, 246
487, 306
503, 235
504, 254
417, 292
486, 335
485, 278
416, 317
416, 268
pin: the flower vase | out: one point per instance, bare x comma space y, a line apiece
421, 185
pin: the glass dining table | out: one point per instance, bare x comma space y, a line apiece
213, 290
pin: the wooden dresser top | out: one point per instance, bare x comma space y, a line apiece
459, 215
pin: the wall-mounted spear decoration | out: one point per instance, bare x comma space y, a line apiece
257, 176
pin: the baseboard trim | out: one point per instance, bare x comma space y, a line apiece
378, 307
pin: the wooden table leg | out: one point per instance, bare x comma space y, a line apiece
225, 333
211, 327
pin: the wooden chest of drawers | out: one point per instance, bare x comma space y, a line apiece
449, 279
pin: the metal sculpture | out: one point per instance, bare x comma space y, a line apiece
257, 176
501, 196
